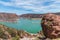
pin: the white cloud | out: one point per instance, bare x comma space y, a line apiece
35, 5
5, 3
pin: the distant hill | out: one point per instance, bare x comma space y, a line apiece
35, 15
31, 15
57, 13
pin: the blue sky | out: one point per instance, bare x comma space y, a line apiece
29, 6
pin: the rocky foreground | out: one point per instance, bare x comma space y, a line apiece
7, 33
51, 26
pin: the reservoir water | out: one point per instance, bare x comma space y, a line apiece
29, 25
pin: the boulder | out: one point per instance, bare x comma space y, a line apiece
51, 25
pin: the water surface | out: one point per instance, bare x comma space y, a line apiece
29, 25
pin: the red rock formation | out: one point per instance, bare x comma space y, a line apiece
8, 17
51, 25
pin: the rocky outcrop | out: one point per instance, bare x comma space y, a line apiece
8, 17
6, 32
51, 25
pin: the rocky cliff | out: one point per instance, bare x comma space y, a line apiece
51, 25
8, 17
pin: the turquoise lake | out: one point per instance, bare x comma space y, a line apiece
29, 25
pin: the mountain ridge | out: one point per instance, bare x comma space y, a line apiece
14, 16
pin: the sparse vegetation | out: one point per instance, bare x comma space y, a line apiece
16, 37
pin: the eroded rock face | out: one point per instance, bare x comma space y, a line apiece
51, 25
